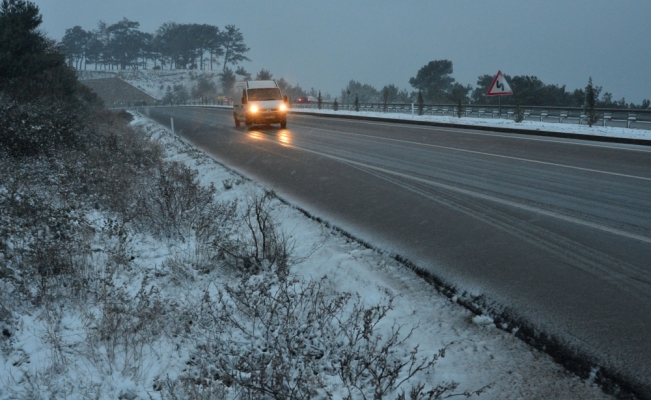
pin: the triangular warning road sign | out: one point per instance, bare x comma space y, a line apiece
499, 87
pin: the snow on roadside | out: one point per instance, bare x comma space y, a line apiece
574, 128
479, 354
56, 352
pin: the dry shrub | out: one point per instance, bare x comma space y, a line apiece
127, 325
259, 243
178, 209
119, 163
186, 388
39, 128
176, 201
44, 236
275, 336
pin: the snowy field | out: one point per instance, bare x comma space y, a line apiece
51, 354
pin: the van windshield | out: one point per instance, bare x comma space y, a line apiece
264, 94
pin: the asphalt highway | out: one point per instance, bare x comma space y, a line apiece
553, 233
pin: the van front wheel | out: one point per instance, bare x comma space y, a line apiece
283, 123
237, 121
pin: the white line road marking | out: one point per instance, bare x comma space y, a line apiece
488, 197
469, 131
498, 156
485, 196
521, 159
496, 200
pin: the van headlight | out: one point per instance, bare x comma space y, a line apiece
282, 107
253, 109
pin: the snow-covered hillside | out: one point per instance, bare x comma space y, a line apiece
156, 82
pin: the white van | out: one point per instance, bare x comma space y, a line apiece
259, 102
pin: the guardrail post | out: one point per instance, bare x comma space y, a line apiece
543, 115
562, 115
172, 124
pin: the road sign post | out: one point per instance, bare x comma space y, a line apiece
500, 87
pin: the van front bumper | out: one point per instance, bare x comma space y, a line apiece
265, 117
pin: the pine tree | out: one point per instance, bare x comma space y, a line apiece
264, 75
385, 98
233, 45
590, 102
30, 63
244, 73
227, 79
420, 102
335, 105
519, 112
434, 79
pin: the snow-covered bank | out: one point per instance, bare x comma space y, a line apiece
155, 83
52, 353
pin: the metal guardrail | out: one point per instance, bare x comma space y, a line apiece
625, 118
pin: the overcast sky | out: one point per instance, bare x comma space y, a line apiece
325, 44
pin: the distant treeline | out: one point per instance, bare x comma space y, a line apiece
173, 46
436, 85
200, 46
206, 89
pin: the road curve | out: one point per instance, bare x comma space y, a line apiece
553, 233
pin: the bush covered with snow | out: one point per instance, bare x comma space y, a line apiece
276, 336
38, 128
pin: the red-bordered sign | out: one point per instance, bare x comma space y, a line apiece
499, 87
